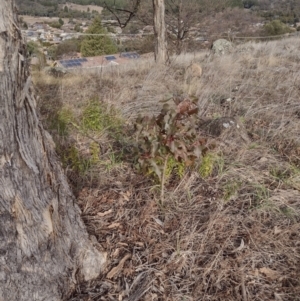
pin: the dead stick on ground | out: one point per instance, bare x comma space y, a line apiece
163, 176
244, 293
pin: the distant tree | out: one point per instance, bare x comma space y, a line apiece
32, 48
52, 52
69, 47
125, 13
60, 21
77, 28
236, 3
55, 24
170, 18
182, 15
93, 45
249, 3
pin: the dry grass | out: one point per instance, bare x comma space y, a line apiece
234, 235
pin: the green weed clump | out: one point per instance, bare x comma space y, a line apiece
98, 117
60, 123
176, 167
95, 152
207, 165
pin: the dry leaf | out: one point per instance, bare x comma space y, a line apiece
116, 253
241, 247
126, 195
254, 272
113, 225
122, 244
105, 212
158, 221
277, 230
271, 274
277, 297
116, 270
263, 159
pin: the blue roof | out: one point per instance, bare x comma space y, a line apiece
73, 63
130, 55
110, 57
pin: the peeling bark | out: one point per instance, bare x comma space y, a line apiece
43, 242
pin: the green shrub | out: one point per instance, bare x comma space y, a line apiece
67, 47
276, 27
93, 45
55, 25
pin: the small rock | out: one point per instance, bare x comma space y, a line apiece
221, 47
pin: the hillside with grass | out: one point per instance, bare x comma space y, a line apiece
201, 202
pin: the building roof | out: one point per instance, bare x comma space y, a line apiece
98, 61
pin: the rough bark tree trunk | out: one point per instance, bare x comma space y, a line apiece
44, 246
180, 29
160, 31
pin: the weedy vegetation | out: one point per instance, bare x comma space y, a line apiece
196, 197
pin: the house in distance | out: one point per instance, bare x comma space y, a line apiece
98, 61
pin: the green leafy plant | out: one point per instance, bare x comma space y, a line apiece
207, 165
211, 164
169, 142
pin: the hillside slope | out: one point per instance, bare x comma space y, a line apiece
226, 230
50, 8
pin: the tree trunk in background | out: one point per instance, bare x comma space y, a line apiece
44, 245
180, 29
160, 31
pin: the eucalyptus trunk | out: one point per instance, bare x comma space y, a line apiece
160, 31
44, 246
